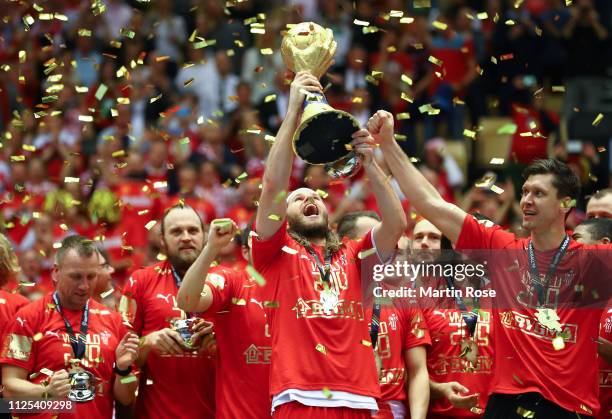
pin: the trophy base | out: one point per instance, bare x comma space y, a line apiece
323, 138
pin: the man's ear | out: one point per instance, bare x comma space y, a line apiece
55, 273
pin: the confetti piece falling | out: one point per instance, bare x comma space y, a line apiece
101, 91
597, 119
507, 129
497, 160
321, 348
107, 293
525, 413
469, 133
497, 189
361, 22
407, 80
37, 337
129, 379
289, 250
365, 253
327, 393
365, 342
439, 25
261, 281
69, 179
558, 343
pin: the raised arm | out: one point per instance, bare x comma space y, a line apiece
421, 194
280, 159
194, 294
388, 232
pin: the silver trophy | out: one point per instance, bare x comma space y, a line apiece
83, 388
184, 327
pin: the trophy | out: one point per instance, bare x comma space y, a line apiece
82, 386
184, 327
324, 134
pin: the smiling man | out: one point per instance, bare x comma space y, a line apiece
529, 373
322, 359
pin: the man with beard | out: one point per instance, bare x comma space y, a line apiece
322, 359
402, 340
176, 381
232, 299
542, 340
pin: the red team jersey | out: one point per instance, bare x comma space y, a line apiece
400, 329
171, 386
605, 369
525, 359
243, 345
313, 349
38, 339
9, 304
444, 363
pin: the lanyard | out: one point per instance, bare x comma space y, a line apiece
533, 267
77, 343
469, 317
324, 270
176, 276
375, 323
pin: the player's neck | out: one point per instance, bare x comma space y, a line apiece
318, 241
548, 240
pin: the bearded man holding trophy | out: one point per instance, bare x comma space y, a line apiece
322, 362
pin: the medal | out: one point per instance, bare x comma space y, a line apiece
184, 327
548, 318
329, 300
469, 350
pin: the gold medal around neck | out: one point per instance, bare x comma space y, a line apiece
548, 318
329, 300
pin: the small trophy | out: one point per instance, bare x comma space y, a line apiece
82, 386
184, 327
324, 134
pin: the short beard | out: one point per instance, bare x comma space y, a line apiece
309, 232
180, 263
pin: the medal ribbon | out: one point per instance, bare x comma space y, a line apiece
77, 343
469, 317
533, 267
179, 281
324, 269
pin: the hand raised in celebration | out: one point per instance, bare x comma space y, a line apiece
221, 233
381, 126
363, 144
303, 83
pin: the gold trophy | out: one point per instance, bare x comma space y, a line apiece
324, 134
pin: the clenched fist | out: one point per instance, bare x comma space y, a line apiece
380, 126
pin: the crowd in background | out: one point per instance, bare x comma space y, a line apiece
112, 111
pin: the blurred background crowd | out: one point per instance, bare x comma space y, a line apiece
112, 110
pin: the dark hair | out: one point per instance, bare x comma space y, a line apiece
84, 247
176, 206
564, 179
347, 223
243, 236
598, 228
601, 193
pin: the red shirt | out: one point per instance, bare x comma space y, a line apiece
525, 359
171, 386
444, 363
243, 358
9, 304
312, 349
401, 328
38, 339
241, 215
137, 197
605, 369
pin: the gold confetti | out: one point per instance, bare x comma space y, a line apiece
586, 409
407, 80
597, 119
269, 98
365, 253
497, 189
406, 20
129, 379
365, 342
321, 349
558, 343
327, 393
322, 193
435, 60
439, 25
507, 129
558, 89
482, 15
18, 158
239, 301
22, 57
266, 51
403, 115
47, 371
86, 118
261, 281
496, 160
107, 293
361, 22
469, 133
529, 414
273, 217
37, 337
28, 147
150, 224
101, 91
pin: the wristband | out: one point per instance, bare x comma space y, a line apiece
122, 373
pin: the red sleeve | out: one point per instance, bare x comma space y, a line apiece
475, 235
128, 304
222, 283
19, 343
265, 252
417, 333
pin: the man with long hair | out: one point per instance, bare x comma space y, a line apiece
322, 358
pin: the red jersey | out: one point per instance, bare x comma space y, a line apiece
243, 358
241, 215
401, 328
313, 348
172, 386
9, 304
605, 369
139, 207
444, 363
525, 359
38, 339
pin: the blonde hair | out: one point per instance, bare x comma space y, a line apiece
8, 260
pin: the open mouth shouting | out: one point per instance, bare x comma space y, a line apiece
310, 210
